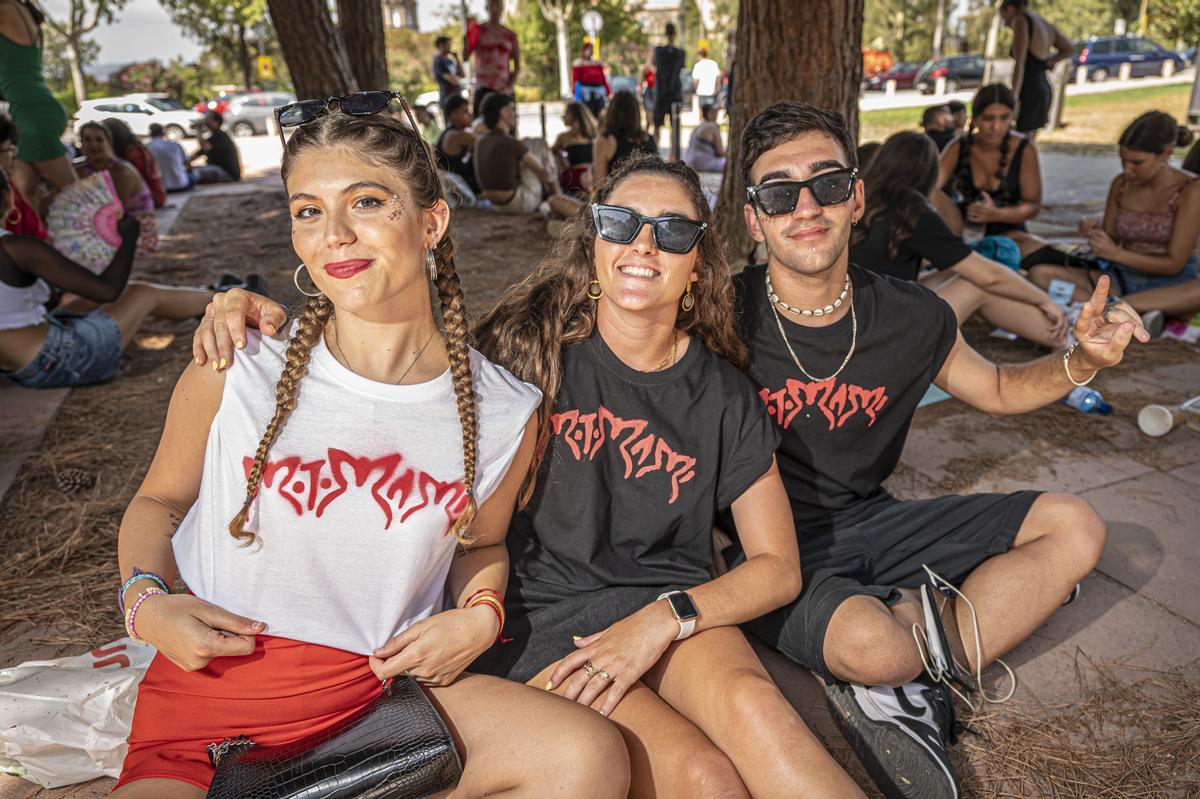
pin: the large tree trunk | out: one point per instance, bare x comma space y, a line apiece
77, 81
314, 52
788, 50
244, 57
939, 28
361, 23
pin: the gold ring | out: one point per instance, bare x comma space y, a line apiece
591, 670
602, 674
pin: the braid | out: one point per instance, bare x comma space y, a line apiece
308, 331
965, 183
1002, 168
458, 340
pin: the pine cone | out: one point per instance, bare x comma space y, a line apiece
71, 481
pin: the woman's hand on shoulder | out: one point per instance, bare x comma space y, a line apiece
192, 632
223, 327
434, 651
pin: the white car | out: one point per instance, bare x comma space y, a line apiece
139, 111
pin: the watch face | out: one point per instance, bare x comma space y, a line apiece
683, 607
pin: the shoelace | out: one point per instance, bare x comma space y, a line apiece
939, 675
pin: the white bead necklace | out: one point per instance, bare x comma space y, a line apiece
808, 311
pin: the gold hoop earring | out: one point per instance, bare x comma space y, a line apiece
296, 280
14, 212
594, 291
689, 301
431, 265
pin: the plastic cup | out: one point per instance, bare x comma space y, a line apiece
1158, 420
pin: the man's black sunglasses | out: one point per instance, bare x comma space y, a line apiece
620, 225
780, 196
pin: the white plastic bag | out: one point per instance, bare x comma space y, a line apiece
65, 721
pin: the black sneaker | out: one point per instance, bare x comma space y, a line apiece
900, 735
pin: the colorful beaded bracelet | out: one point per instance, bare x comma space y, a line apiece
132, 614
138, 574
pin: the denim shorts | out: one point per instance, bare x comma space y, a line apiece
78, 350
1133, 281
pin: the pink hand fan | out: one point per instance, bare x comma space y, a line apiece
83, 221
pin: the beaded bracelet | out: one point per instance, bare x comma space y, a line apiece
138, 574
132, 614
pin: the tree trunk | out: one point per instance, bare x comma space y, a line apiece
939, 28
361, 23
312, 48
795, 50
989, 46
564, 60
244, 57
77, 81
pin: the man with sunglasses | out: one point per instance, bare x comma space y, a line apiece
843, 356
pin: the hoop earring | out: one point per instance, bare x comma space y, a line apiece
9, 219
431, 265
594, 291
296, 280
689, 301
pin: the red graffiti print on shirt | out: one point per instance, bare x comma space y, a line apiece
312, 486
585, 433
837, 401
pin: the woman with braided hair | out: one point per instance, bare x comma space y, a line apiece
648, 429
315, 524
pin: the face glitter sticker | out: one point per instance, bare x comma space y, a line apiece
397, 208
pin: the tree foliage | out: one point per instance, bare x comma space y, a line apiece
410, 59
225, 28
1176, 21
146, 76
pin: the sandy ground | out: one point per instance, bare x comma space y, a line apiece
58, 565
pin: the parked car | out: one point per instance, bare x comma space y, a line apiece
1102, 56
139, 111
248, 114
904, 73
220, 102
960, 72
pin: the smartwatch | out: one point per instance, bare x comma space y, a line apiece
684, 611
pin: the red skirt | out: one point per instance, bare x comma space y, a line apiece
285, 691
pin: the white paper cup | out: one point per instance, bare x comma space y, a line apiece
1158, 420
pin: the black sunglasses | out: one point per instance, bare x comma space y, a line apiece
780, 196
620, 225
359, 104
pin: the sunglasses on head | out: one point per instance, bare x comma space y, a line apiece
780, 196
620, 225
359, 104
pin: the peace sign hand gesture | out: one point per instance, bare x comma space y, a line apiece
1104, 331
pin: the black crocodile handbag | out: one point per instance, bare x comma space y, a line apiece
397, 747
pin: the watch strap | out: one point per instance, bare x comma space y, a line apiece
686, 628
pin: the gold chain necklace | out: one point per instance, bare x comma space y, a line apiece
800, 366
670, 359
346, 360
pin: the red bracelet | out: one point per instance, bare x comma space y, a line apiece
491, 598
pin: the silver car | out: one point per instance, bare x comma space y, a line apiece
248, 114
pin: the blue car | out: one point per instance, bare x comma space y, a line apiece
1102, 56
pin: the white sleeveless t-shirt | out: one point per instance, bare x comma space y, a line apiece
360, 488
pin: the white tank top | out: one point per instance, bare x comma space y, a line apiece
22, 307
353, 514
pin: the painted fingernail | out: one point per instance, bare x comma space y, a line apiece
240, 344
576, 637
198, 363
549, 684
224, 363
214, 365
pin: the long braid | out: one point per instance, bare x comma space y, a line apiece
458, 341
309, 328
966, 185
1002, 168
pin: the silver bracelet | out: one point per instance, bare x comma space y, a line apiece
1067, 367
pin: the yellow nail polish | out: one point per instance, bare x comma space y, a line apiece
549, 685
224, 363
241, 344
214, 365
576, 637
198, 362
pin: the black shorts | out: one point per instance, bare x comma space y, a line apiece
883, 550
662, 112
542, 618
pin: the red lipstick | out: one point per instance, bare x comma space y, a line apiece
344, 269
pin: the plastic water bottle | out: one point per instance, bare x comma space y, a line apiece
1087, 400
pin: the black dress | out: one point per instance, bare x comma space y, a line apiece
1033, 107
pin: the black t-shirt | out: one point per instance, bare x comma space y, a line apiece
941, 137
668, 87
223, 153
931, 240
637, 467
443, 64
843, 437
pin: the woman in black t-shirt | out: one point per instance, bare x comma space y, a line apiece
623, 135
900, 231
649, 430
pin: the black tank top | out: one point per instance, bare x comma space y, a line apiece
458, 164
626, 147
1008, 194
578, 154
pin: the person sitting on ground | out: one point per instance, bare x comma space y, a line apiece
958, 116
866, 154
127, 146
1191, 161
1148, 236
573, 149
992, 180
843, 356
938, 124
243, 652
223, 164
454, 146
900, 230
22, 220
427, 125
616, 549
589, 81
171, 160
96, 144
622, 135
706, 150
513, 178
40, 349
